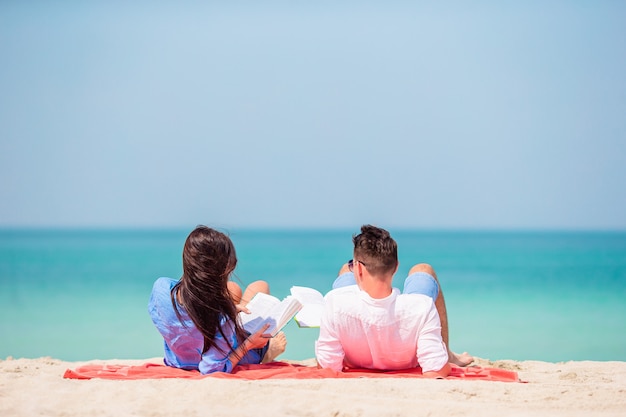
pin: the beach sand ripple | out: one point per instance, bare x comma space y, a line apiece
581, 388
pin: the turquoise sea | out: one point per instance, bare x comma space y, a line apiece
553, 296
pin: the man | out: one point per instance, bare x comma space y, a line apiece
369, 324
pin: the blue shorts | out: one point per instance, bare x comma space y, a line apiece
416, 283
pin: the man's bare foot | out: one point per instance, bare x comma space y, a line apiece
278, 344
460, 359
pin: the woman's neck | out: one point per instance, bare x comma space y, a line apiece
179, 297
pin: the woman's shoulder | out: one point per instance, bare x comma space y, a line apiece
161, 290
164, 283
160, 304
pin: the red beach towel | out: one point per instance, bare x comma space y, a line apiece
275, 370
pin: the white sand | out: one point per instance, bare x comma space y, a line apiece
33, 387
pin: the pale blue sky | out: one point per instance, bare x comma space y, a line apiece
313, 114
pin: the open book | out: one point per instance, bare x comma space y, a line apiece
312, 306
304, 304
266, 308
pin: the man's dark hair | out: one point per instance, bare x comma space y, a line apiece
376, 249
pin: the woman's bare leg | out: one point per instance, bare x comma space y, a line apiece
252, 289
278, 344
235, 291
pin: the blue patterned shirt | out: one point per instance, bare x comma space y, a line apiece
183, 342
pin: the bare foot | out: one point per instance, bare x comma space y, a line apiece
460, 359
278, 344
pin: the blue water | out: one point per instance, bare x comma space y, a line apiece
552, 296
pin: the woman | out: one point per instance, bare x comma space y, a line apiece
197, 315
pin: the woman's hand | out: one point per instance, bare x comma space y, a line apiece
258, 339
242, 308
254, 341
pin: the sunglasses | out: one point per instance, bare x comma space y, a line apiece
351, 263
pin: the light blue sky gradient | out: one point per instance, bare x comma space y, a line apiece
498, 115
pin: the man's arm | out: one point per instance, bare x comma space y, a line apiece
442, 373
328, 349
432, 353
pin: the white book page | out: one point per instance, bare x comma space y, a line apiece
259, 307
312, 306
307, 295
282, 313
269, 309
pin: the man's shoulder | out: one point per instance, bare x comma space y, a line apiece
343, 291
342, 296
416, 300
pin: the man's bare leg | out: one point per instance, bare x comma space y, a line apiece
460, 359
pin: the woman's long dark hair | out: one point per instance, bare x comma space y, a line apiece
208, 260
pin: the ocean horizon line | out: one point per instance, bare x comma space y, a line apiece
313, 229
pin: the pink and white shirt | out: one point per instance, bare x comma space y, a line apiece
396, 332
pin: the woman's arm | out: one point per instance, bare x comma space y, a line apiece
254, 341
215, 360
